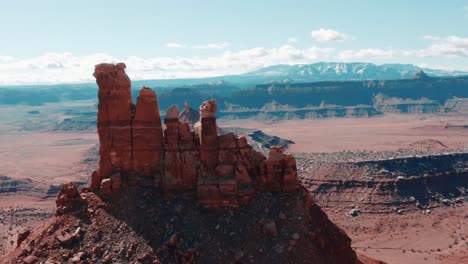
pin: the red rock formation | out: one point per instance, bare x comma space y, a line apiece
279, 173
147, 134
69, 200
172, 178
114, 119
218, 170
208, 133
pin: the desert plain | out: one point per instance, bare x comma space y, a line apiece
35, 161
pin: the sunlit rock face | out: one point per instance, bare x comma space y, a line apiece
215, 170
114, 120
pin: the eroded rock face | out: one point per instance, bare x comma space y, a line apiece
216, 170
114, 118
147, 134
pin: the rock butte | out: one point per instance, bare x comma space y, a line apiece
136, 150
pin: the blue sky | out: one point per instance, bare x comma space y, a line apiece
60, 41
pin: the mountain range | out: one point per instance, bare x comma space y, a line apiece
303, 73
326, 71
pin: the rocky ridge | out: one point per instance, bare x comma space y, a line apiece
379, 182
274, 228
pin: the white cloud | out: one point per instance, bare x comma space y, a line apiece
174, 45
451, 46
6, 58
51, 68
292, 40
328, 35
68, 68
366, 53
430, 37
458, 42
212, 46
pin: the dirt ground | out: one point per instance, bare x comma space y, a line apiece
413, 237
389, 132
46, 158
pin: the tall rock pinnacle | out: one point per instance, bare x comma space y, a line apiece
215, 170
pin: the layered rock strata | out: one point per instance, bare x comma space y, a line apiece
216, 170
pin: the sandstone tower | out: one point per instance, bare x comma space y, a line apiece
215, 170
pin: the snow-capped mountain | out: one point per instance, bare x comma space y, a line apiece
325, 71
304, 73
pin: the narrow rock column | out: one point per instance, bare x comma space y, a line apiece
290, 181
274, 170
114, 119
206, 131
147, 134
189, 156
208, 135
172, 168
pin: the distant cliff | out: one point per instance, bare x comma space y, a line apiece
416, 95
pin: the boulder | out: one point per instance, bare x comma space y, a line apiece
69, 200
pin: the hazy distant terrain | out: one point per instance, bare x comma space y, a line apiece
321, 90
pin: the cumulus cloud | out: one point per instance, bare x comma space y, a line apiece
328, 35
51, 68
366, 53
451, 46
68, 68
457, 41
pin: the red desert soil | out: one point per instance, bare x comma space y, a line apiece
389, 132
48, 157
412, 237
36, 157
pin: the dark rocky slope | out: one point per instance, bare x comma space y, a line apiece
275, 228
387, 182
